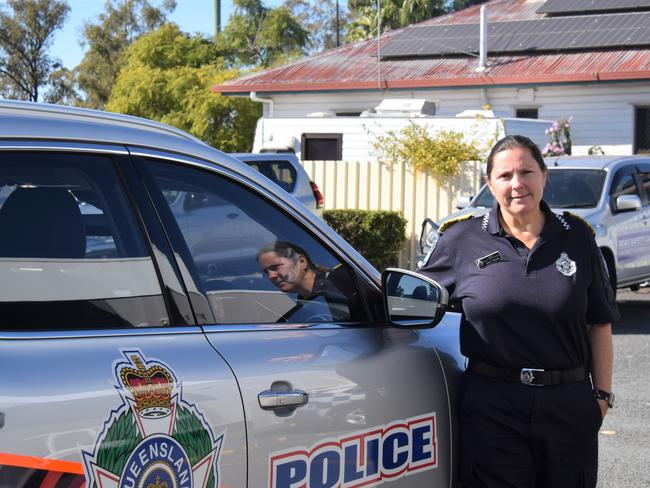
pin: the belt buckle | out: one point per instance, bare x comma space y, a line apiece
527, 376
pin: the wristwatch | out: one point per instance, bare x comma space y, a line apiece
605, 395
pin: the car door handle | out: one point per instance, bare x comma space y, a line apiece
277, 399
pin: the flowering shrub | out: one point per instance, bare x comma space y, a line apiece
560, 135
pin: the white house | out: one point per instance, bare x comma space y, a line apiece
546, 59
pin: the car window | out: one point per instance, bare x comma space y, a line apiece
626, 185
280, 172
645, 181
253, 262
71, 247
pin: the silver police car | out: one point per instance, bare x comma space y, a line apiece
612, 193
170, 318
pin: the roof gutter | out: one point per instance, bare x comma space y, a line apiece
265, 101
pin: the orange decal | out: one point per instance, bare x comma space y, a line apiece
40, 463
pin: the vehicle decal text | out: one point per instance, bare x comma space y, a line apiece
365, 458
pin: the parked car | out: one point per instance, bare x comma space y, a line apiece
612, 193
143, 345
285, 170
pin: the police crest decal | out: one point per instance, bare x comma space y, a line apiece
155, 438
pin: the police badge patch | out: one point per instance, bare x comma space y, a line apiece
566, 265
154, 438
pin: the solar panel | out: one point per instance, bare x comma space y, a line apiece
550, 34
581, 6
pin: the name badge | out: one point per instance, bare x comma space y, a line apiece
493, 257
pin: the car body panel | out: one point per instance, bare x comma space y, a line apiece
358, 380
60, 393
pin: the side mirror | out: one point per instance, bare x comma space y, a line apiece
626, 203
429, 235
463, 201
412, 300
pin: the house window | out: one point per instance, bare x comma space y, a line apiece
321, 147
527, 113
642, 130
348, 114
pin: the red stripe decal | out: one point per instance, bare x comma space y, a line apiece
40, 463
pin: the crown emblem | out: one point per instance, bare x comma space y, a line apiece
158, 484
151, 387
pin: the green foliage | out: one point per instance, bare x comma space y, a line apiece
122, 22
440, 154
26, 33
258, 36
377, 234
168, 77
191, 434
121, 439
394, 14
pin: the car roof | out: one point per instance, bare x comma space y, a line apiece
57, 123
48, 122
592, 162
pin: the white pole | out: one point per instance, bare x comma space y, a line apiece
483, 42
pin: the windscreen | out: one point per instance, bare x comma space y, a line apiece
565, 188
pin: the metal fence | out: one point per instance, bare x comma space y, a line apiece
373, 185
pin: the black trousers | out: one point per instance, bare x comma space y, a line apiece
518, 436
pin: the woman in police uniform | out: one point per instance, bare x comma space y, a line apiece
536, 310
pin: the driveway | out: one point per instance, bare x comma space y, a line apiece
625, 434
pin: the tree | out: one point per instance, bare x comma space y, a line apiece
257, 36
394, 14
168, 75
122, 22
319, 19
26, 33
461, 4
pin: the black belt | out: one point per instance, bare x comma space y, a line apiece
530, 376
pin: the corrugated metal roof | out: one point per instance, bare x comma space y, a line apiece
355, 66
579, 6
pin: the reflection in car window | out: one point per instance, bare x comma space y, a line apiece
225, 242
565, 188
625, 186
71, 247
645, 180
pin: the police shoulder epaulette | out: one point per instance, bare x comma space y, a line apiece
591, 229
445, 225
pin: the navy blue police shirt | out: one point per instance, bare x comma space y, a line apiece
524, 308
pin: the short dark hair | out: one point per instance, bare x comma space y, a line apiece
511, 142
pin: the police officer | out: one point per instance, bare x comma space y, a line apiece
537, 309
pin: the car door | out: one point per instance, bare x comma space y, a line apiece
331, 397
629, 228
106, 378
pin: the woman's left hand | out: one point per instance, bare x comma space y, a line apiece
603, 407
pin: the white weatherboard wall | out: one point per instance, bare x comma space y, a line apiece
603, 113
372, 185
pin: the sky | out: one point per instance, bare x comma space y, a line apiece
191, 15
